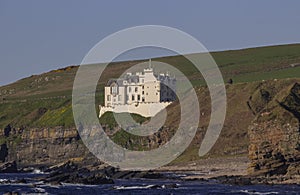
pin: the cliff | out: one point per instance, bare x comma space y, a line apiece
274, 135
42, 146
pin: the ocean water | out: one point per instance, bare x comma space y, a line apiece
140, 186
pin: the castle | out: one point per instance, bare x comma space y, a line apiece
143, 93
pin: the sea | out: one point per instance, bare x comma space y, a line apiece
9, 183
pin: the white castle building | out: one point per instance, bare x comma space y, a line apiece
143, 93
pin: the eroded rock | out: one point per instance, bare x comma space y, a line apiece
274, 135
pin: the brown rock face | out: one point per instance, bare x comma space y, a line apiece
275, 135
46, 146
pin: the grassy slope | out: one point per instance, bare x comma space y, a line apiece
245, 65
53, 90
45, 100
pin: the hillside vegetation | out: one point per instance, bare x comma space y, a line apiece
45, 100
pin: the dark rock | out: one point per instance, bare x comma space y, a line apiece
7, 130
70, 173
65, 167
21, 181
3, 152
110, 170
58, 178
171, 186
152, 175
97, 179
124, 174
235, 180
9, 167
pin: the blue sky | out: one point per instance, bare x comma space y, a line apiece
38, 36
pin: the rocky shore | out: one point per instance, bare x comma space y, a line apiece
71, 172
227, 170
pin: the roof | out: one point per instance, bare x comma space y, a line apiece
118, 81
133, 78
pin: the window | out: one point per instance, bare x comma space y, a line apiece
143, 87
143, 99
129, 89
136, 89
138, 97
143, 92
132, 97
119, 97
114, 89
108, 97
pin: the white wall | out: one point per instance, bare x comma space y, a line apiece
144, 109
114, 100
152, 93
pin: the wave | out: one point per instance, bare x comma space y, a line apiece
76, 184
133, 187
3, 180
150, 186
39, 190
257, 193
37, 171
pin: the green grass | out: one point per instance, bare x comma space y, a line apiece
276, 74
246, 65
62, 116
20, 102
108, 119
36, 113
121, 137
129, 141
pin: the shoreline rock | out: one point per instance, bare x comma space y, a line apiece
274, 136
9, 167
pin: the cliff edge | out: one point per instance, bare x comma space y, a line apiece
274, 135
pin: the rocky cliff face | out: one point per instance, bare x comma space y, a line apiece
49, 146
275, 133
45, 146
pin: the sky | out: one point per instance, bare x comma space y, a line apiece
38, 36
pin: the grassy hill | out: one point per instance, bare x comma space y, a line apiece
45, 100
